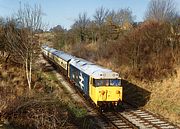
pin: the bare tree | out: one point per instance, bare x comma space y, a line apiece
81, 25
14, 40
119, 21
121, 16
22, 39
2, 37
30, 18
100, 15
161, 10
1, 31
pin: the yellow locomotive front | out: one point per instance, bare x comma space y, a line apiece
106, 91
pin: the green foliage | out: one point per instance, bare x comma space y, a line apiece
77, 112
59, 40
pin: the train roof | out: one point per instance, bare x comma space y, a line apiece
96, 71
65, 56
93, 70
58, 53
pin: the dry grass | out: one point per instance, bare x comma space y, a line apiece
165, 98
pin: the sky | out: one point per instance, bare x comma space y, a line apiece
64, 12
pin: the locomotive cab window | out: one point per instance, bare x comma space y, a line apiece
106, 82
115, 82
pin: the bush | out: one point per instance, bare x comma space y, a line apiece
147, 50
38, 113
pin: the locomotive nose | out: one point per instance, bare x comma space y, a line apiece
109, 94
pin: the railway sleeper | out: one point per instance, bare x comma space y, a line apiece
164, 124
168, 127
123, 127
154, 120
150, 118
142, 113
147, 116
140, 121
158, 122
118, 121
119, 124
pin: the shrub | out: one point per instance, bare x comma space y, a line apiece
148, 50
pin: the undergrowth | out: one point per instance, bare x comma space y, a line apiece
46, 106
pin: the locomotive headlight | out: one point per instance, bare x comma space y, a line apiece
102, 92
118, 92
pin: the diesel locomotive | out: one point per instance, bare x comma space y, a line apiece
101, 85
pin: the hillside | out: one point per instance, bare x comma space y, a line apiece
164, 96
146, 62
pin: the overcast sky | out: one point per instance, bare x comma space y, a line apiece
64, 12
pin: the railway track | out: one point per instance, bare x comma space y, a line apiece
118, 121
145, 119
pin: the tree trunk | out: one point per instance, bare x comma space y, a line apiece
28, 75
30, 69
